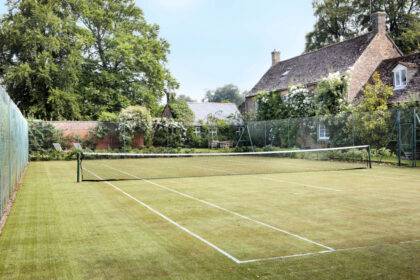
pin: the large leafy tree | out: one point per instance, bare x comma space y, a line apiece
40, 58
124, 57
338, 20
227, 93
75, 59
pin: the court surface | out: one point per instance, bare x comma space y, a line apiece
311, 224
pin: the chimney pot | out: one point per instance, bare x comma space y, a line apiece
378, 21
275, 57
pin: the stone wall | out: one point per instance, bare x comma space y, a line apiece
380, 48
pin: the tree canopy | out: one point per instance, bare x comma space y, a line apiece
77, 59
227, 93
339, 20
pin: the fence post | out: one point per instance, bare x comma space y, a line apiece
414, 163
399, 137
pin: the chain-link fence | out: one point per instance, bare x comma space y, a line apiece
13, 148
394, 135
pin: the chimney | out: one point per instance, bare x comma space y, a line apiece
378, 21
275, 57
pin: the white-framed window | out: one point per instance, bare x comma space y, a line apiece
400, 77
323, 133
197, 131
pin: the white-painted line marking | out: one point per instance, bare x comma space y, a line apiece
169, 220
285, 257
225, 210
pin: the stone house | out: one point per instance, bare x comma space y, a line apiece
358, 57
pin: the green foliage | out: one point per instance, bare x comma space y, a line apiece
185, 98
270, 106
181, 112
375, 95
227, 93
300, 102
168, 133
371, 116
107, 117
134, 120
42, 135
331, 94
338, 20
41, 58
77, 59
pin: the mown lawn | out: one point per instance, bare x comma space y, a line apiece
59, 229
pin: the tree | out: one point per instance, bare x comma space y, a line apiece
76, 59
185, 98
227, 93
181, 112
339, 20
124, 57
40, 58
371, 116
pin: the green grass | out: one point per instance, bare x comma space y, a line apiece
59, 229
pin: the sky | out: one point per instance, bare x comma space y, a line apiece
218, 42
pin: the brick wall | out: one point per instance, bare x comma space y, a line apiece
82, 130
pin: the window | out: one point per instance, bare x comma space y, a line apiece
323, 133
400, 77
197, 131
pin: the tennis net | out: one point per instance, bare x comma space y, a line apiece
126, 166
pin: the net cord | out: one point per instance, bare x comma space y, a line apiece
367, 147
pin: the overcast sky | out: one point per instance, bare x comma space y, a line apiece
216, 42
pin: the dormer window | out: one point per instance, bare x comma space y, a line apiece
400, 77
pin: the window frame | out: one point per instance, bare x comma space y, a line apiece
398, 73
325, 136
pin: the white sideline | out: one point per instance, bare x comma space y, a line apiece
169, 220
225, 210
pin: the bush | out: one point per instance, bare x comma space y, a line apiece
168, 133
134, 120
42, 135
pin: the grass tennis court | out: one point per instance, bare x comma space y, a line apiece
349, 224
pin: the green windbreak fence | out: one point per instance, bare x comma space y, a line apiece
394, 135
13, 148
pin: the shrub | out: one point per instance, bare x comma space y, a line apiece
168, 133
134, 120
42, 135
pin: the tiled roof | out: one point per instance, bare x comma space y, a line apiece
224, 111
410, 61
311, 67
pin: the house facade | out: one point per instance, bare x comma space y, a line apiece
358, 58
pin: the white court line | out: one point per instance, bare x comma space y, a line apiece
285, 257
323, 252
170, 220
225, 210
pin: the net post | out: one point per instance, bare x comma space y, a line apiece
399, 136
369, 157
78, 167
